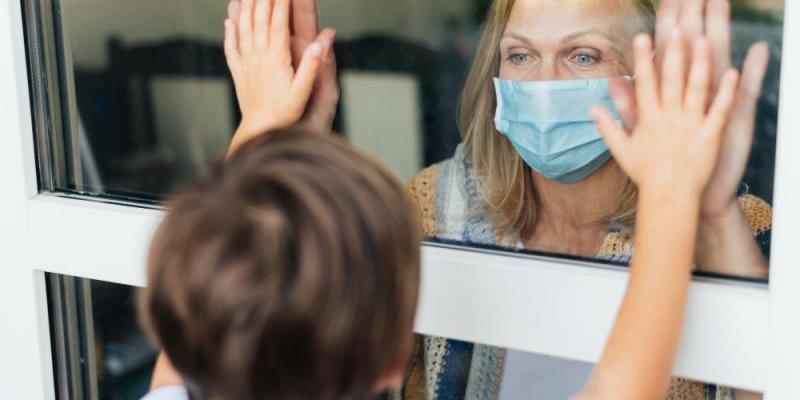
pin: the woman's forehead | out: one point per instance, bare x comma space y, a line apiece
559, 18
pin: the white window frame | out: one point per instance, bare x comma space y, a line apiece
737, 334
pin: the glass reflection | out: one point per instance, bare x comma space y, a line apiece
154, 106
99, 350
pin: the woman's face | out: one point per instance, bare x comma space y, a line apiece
566, 39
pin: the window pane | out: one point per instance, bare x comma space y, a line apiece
135, 100
99, 351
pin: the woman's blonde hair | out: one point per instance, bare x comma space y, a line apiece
507, 180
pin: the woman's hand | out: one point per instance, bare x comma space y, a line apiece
321, 109
272, 92
712, 17
720, 195
725, 242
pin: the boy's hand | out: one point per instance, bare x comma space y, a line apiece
272, 93
676, 142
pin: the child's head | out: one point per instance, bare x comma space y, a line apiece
290, 271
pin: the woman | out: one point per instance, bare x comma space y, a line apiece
499, 189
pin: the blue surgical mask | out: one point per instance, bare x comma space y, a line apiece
549, 125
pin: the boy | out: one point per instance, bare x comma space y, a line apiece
291, 272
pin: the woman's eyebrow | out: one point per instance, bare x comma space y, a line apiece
517, 36
590, 32
572, 36
617, 42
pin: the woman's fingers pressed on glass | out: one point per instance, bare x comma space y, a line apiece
667, 19
691, 19
646, 81
306, 73
723, 102
718, 31
280, 37
753, 72
696, 97
304, 19
672, 74
742, 119
234, 9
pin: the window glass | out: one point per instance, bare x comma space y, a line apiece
146, 104
99, 351
134, 100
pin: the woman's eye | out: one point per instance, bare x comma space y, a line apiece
585, 59
519, 58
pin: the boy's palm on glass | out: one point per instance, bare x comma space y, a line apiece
272, 93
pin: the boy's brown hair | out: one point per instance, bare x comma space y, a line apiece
290, 272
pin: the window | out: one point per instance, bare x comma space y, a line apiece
100, 351
143, 111
130, 101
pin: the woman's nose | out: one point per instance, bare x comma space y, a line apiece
548, 71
